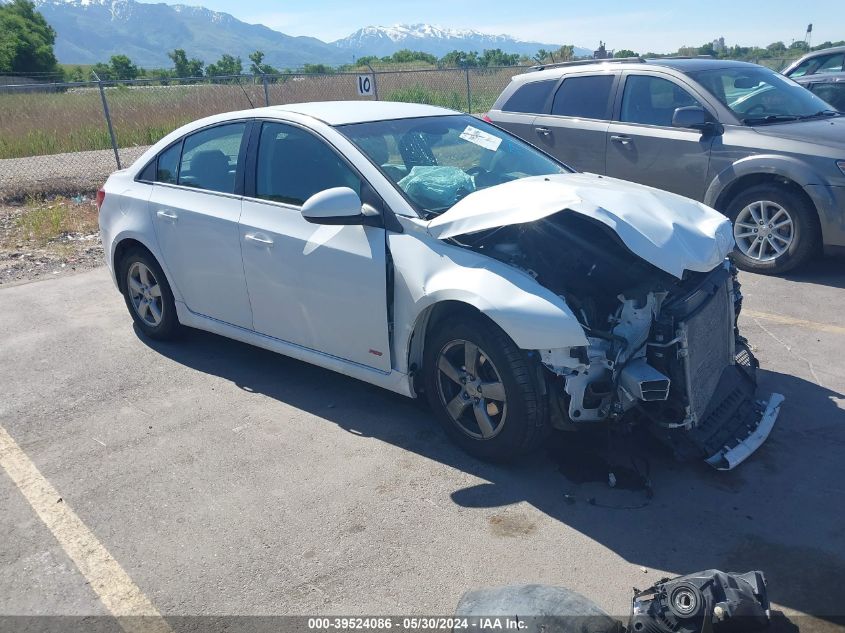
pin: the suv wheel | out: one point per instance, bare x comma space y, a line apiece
484, 390
775, 229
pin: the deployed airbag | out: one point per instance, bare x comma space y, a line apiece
437, 187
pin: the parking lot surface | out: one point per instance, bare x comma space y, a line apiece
228, 480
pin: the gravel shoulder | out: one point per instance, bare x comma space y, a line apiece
46, 238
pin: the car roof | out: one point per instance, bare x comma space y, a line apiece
343, 112
822, 51
681, 64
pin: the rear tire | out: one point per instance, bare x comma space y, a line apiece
776, 229
148, 296
491, 406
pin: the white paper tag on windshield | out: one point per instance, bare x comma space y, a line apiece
481, 138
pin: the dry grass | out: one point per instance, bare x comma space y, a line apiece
41, 221
38, 124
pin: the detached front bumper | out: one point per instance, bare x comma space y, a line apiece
730, 456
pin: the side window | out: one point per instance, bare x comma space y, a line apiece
584, 97
292, 165
530, 98
803, 68
832, 64
210, 158
652, 100
168, 164
833, 93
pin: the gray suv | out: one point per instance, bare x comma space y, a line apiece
739, 137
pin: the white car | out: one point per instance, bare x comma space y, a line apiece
428, 252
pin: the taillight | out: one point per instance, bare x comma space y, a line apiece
101, 195
486, 118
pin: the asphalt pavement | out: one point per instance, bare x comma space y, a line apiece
224, 479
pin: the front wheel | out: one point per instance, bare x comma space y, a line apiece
775, 229
484, 389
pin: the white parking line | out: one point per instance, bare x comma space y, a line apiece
115, 588
802, 323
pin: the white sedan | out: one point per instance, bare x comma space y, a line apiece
428, 252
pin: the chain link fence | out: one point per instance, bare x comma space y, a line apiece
68, 137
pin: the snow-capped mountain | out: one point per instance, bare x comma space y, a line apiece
90, 31
386, 40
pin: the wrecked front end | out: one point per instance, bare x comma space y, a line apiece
663, 350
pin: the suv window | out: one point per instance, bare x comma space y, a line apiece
652, 100
294, 164
833, 92
210, 158
821, 64
584, 97
530, 98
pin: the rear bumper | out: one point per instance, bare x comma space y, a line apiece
731, 456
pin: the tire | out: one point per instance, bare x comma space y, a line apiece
518, 422
798, 240
147, 295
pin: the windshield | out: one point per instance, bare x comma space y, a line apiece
760, 96
436, 161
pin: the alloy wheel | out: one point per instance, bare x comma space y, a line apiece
145, 294
764, 230
471, 389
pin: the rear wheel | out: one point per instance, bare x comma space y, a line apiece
148, 296
775, 229
484, 389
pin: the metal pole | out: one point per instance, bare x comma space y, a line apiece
469, 94
108, 119
266, 90
375, 83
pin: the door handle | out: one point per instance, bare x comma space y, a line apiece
167, 215
616, 138
543, 130
252, 237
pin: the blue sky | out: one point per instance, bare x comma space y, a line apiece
659, 25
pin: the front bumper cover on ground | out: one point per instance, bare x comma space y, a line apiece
731, 456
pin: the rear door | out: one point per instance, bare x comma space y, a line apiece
195, 206
574, 130
518, 111
642, 145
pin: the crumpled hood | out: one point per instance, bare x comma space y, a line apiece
669, 231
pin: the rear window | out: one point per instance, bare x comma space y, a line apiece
530, 97
584, 97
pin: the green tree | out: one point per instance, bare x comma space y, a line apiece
184, 67
103, 71
543, 55
26, 40
317, 69
565, 53
226, 65
258, 67
460, 59
123, 68
625, 52
497, 57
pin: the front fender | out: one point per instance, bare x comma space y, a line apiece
428, 271
787, 167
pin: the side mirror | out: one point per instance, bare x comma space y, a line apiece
693, 117
338, 205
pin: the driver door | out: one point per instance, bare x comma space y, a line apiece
322, 287
644, 147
